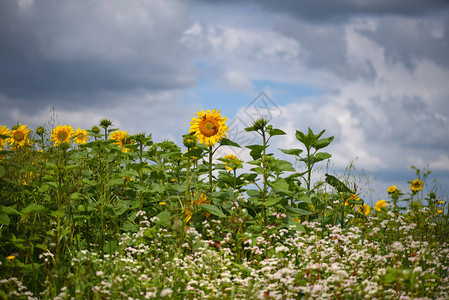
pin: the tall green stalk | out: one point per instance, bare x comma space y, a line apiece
265, 176
210, 168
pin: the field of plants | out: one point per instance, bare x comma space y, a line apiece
101, 214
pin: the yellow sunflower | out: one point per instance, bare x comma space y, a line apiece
416, 185
364, 209
380, 204
392, 189
353, 197
233, 162
121, 139
20, 136
80, 136
5, 134
209, 127
61, 134
200, 201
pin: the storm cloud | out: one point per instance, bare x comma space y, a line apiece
53, 49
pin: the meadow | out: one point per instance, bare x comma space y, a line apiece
101, 214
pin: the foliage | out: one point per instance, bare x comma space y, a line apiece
118, 216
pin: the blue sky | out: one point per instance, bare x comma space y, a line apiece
374, 74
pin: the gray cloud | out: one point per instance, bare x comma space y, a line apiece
340, 11
52, 49
408, 121
408, 40
408, 31
324, 47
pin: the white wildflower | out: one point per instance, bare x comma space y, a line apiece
397, 246
166, 292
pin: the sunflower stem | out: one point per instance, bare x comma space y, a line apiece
210, 168
187, 177
265, 177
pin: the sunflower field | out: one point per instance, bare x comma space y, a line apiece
102, 214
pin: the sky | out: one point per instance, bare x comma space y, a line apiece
374, 74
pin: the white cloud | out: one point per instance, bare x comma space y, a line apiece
442, 163
49, 117
24, 4
226, 42
162, 114
437, 164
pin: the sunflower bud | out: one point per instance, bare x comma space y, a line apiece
268, 160
40, 131
260, 124
105, 123
140, 138
190, 141
95, 130
168, 146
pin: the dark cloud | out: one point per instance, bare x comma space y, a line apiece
335, 11
324, 47
408, 122
53, 49
407, 41
39, 78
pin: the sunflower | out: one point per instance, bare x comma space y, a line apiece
364, 209
20, 136
209, 127
200, 201
353, 197
232, 162
121, 138
80, 136
392, 189
61, 134
380, 204
416, 185
5, 134
188, 216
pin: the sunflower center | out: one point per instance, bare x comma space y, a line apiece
208, 126
18, 136
62, 136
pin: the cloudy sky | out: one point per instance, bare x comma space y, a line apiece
375, 74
